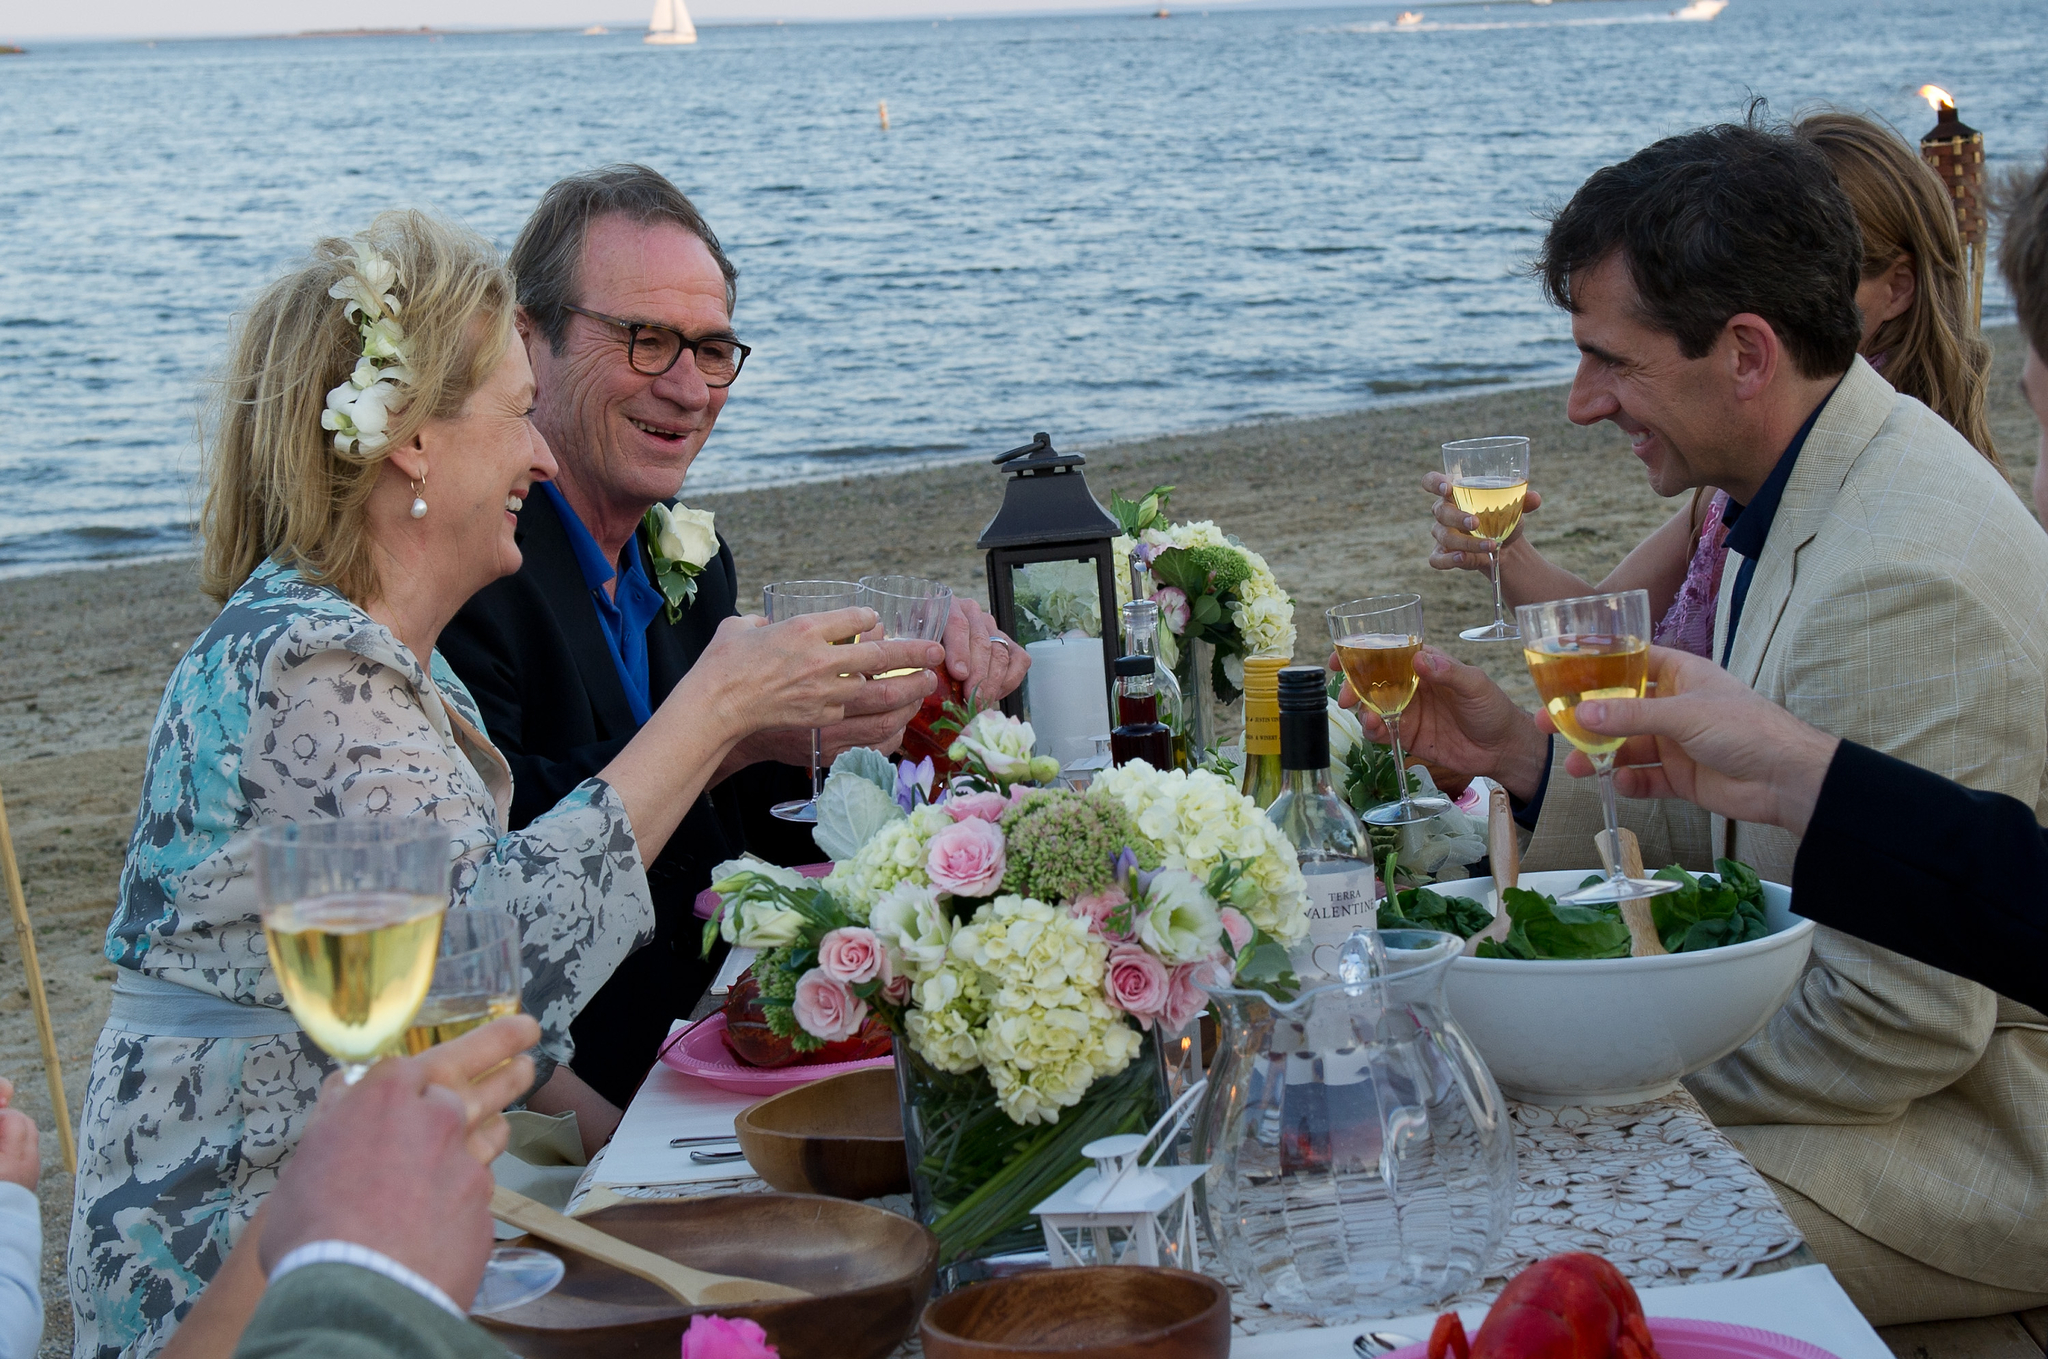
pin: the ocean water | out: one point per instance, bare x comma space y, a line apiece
1101, 226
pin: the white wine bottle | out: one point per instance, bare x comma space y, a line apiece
1335, 856
1263, 777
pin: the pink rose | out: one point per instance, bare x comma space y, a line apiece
977, 806
1237, 927
712, 1337
827, 1009
1136, 983
966, 858
1185, 997
851, 955
896, 989
1097, 907
1173, 607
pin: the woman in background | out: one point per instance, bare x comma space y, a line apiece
1917, 332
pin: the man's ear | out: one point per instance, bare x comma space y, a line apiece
1752, 352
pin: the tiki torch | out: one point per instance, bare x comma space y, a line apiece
1955, 152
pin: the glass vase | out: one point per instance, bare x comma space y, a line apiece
1361, 1161
1210, 723
975, 1175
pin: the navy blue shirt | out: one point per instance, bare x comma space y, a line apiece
623, 615
1749, 526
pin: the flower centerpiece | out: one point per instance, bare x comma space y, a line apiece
1028, 945
1218, 603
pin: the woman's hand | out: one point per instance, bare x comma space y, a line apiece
763, 675
1456, 548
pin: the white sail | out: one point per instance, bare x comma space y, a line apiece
671, 23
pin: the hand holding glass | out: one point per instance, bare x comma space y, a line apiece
909, 609
1489, 478
1597, 647
1377, 640
793, 599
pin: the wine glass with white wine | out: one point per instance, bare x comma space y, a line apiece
352, 915
1377, 641
1489, 479
1596, 647
793, 599
477, 980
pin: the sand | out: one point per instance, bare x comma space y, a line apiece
1334, 504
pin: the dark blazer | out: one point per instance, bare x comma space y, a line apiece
532, 652
1915, 863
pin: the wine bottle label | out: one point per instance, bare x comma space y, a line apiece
1340, 900
1261, 729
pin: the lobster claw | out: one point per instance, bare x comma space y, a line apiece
1449, 1333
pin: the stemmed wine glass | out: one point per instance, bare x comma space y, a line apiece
476, 980
793, 599
911, 609
1592, 648
1489, 479
352, 913
1377, 639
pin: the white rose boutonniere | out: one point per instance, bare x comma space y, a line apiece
683, 544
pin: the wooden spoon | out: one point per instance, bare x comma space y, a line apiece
1635, 912
1505, 853
691, 1287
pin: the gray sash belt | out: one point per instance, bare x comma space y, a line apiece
153, 1006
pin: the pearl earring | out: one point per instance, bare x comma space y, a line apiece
419, 500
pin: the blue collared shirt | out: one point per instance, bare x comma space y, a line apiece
623, 615
1749, 526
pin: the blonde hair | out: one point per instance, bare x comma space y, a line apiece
275, 484
1932, 350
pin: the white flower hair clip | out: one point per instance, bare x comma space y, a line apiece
360, 409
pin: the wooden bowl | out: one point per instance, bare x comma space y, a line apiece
869, 1272
841, 1136
1107, 1312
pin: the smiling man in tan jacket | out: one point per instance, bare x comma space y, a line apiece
1884, 583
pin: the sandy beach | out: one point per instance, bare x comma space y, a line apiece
1334, 504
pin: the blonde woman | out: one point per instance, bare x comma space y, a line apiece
370, 446
1917, 332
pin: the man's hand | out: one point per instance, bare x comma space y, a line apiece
21, 1159
987, 664
487, 1068
1708, 738
1456, 548
1462, 721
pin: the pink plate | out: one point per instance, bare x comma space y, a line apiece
1679, 1339
701, 1052
707, 900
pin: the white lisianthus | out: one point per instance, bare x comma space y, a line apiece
1182, 924
1345, 732
912, 924
684, 535
761, 924
1001, 744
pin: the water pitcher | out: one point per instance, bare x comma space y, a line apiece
1361, 1159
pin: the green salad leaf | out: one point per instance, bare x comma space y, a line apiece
1418, 908
1705, 912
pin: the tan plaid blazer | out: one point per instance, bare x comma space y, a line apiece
1902, 602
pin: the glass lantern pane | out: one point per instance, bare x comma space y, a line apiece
1057, 607
1056, 600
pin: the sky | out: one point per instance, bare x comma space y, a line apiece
153, 18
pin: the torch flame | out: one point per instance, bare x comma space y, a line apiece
1937, 98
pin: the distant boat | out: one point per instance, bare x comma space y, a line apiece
1162, 13
671, 24
1410, 18
1700, 10
595, 31
8, 49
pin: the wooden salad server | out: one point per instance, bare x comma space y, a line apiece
1504, 851
1635, 913
691, 1287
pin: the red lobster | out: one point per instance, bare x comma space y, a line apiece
1573, 1306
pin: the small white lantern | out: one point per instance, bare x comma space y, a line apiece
1128, 1211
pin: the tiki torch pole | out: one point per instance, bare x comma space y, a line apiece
38, 998
1955, 152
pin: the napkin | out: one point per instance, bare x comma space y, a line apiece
670, 1105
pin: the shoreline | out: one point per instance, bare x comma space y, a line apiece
1334, 503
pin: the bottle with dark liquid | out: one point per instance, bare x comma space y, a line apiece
1139, 734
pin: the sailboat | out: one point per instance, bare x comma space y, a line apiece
670, 24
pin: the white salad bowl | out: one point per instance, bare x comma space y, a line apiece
1603, 1031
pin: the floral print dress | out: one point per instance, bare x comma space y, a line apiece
294, 705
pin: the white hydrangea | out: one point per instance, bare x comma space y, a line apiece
895, 854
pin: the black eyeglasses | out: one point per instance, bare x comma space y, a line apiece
652, 350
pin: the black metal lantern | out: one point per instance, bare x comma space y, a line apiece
1052, 585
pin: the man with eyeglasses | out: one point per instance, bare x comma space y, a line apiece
625, 307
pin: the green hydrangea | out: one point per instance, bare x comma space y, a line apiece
1060, 847
1226, 565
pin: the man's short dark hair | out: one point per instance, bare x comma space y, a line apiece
549, 251
1718, 222
2023, 251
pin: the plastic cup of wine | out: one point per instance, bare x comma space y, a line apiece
911, 609
1489, 478
352, 913
1377, 639
793, 599
1597, 647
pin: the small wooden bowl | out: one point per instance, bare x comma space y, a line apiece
869, 1271
1107, 1312
842, 1136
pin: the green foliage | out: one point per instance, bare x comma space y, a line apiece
1545, 927
1060, 846
1708, 912
1418, 908
1135, 516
